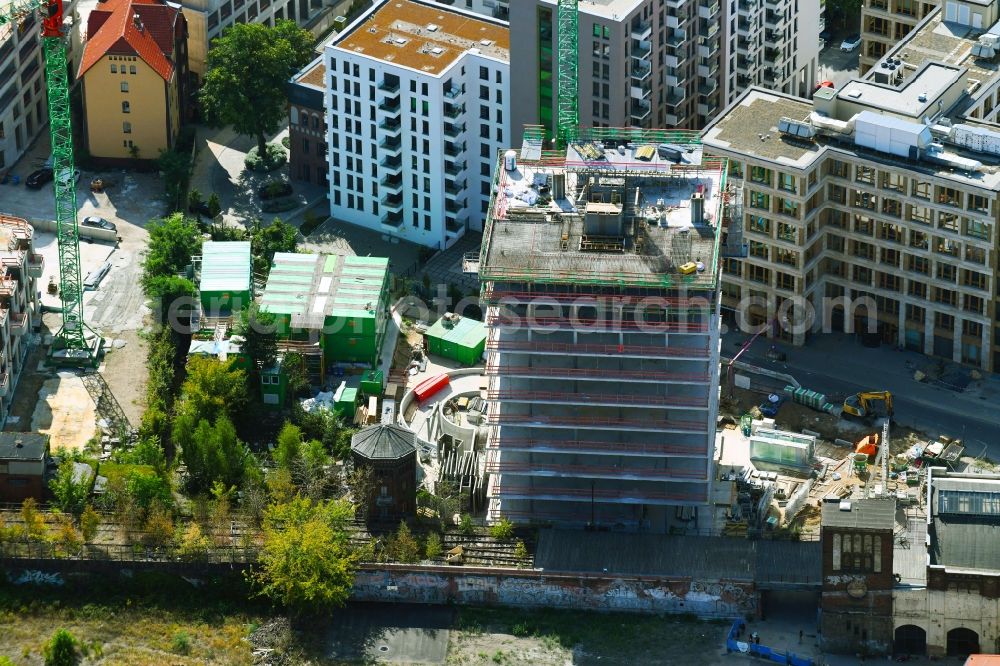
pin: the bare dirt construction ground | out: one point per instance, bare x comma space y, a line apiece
65, 412
550, 637
125, 372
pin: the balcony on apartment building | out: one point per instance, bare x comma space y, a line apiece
454, 226
641, 49
641, 70
675, 20
773, 19
640, 92
393, 202
391, 144
393, 219
392, 163
390, 105
708, 10
454, 130
454, 190
642, 30
452, 149
393, 182
452, 93
641, 109
391, 125
453, 110
389, 85
675, 39
676, 96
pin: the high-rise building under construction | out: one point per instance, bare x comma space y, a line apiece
599, 268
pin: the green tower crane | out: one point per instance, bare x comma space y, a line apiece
568, 116
75, 343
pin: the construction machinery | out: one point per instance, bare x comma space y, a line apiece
863, 405
568, 116
880, 468
75, 343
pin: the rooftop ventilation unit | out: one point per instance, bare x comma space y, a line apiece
796, 128
432, 27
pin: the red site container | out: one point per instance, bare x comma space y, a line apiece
429, 387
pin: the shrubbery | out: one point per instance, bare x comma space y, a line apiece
274, 159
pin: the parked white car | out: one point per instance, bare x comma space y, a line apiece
851, 43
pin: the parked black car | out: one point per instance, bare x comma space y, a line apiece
274, 190
38, 178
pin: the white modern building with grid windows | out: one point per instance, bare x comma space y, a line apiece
417, 99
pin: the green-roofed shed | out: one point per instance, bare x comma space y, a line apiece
458, 338
225, 284
343, 300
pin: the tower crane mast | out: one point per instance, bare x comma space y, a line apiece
568, 111
75, 343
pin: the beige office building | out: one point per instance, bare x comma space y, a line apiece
886, 188
885, 23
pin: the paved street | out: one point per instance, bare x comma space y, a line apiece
837, 66
838, 364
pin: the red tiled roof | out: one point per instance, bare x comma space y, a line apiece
113, 30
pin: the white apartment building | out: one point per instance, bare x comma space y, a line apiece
775, 44
885, 190
417, 98
23, 108
208, 18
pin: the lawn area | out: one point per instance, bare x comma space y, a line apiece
149, 621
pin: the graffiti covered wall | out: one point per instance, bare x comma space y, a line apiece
514, 587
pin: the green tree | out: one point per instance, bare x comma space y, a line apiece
89, 522
164, 291
70, 490
214, 206
258, 329
147, 451
248, 68
294, 367
211, 452
403, 547
266, 241
289, 446
847, 11
502, 529
173, 240
62, 649
194, 200
432, 547
306, 562
175, 169
213, 387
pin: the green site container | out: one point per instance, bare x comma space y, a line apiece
344, 301
346, 404
273, 386
225, 285
458, 338
372, 382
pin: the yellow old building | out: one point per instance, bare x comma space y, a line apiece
134, 74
